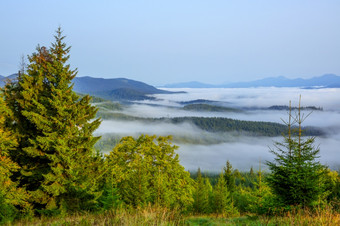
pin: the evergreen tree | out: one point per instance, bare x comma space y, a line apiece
251, 172
296, 175
229, 177
221, 196
54, 130
202, 194
197, 194
208, 196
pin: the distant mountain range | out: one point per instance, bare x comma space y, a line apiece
324, 81
126, 89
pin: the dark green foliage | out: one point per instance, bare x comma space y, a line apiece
221, 125
227, 125
54, 132
297, 179
200, 101
251, 172
207, 107
229, 177
212, 176
296, 175
285, 107
110, 198
211, 136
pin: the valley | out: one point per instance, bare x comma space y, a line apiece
206, 123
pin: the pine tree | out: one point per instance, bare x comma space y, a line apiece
197, 194
54, 129
229, 177
208, 196
251, 172
221, 196
202, 194
296, 175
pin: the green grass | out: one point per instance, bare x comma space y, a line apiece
134, 217
325, 216
162, 216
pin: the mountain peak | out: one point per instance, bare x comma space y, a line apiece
328, 76
115, 88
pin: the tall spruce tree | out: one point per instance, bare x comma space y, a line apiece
229, 177
221, 196
202, 194
197, 205
296, 176
54, 130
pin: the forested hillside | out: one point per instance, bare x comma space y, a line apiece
207, 107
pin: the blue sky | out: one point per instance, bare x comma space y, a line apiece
170, 41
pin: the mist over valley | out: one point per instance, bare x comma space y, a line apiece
209, 150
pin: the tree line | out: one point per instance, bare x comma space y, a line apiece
49, 166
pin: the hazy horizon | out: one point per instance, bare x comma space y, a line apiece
164, 86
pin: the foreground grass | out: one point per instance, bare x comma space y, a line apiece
162, 216
146, 216
325, 216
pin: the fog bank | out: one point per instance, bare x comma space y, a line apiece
329, 99
247, 152
242, 151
